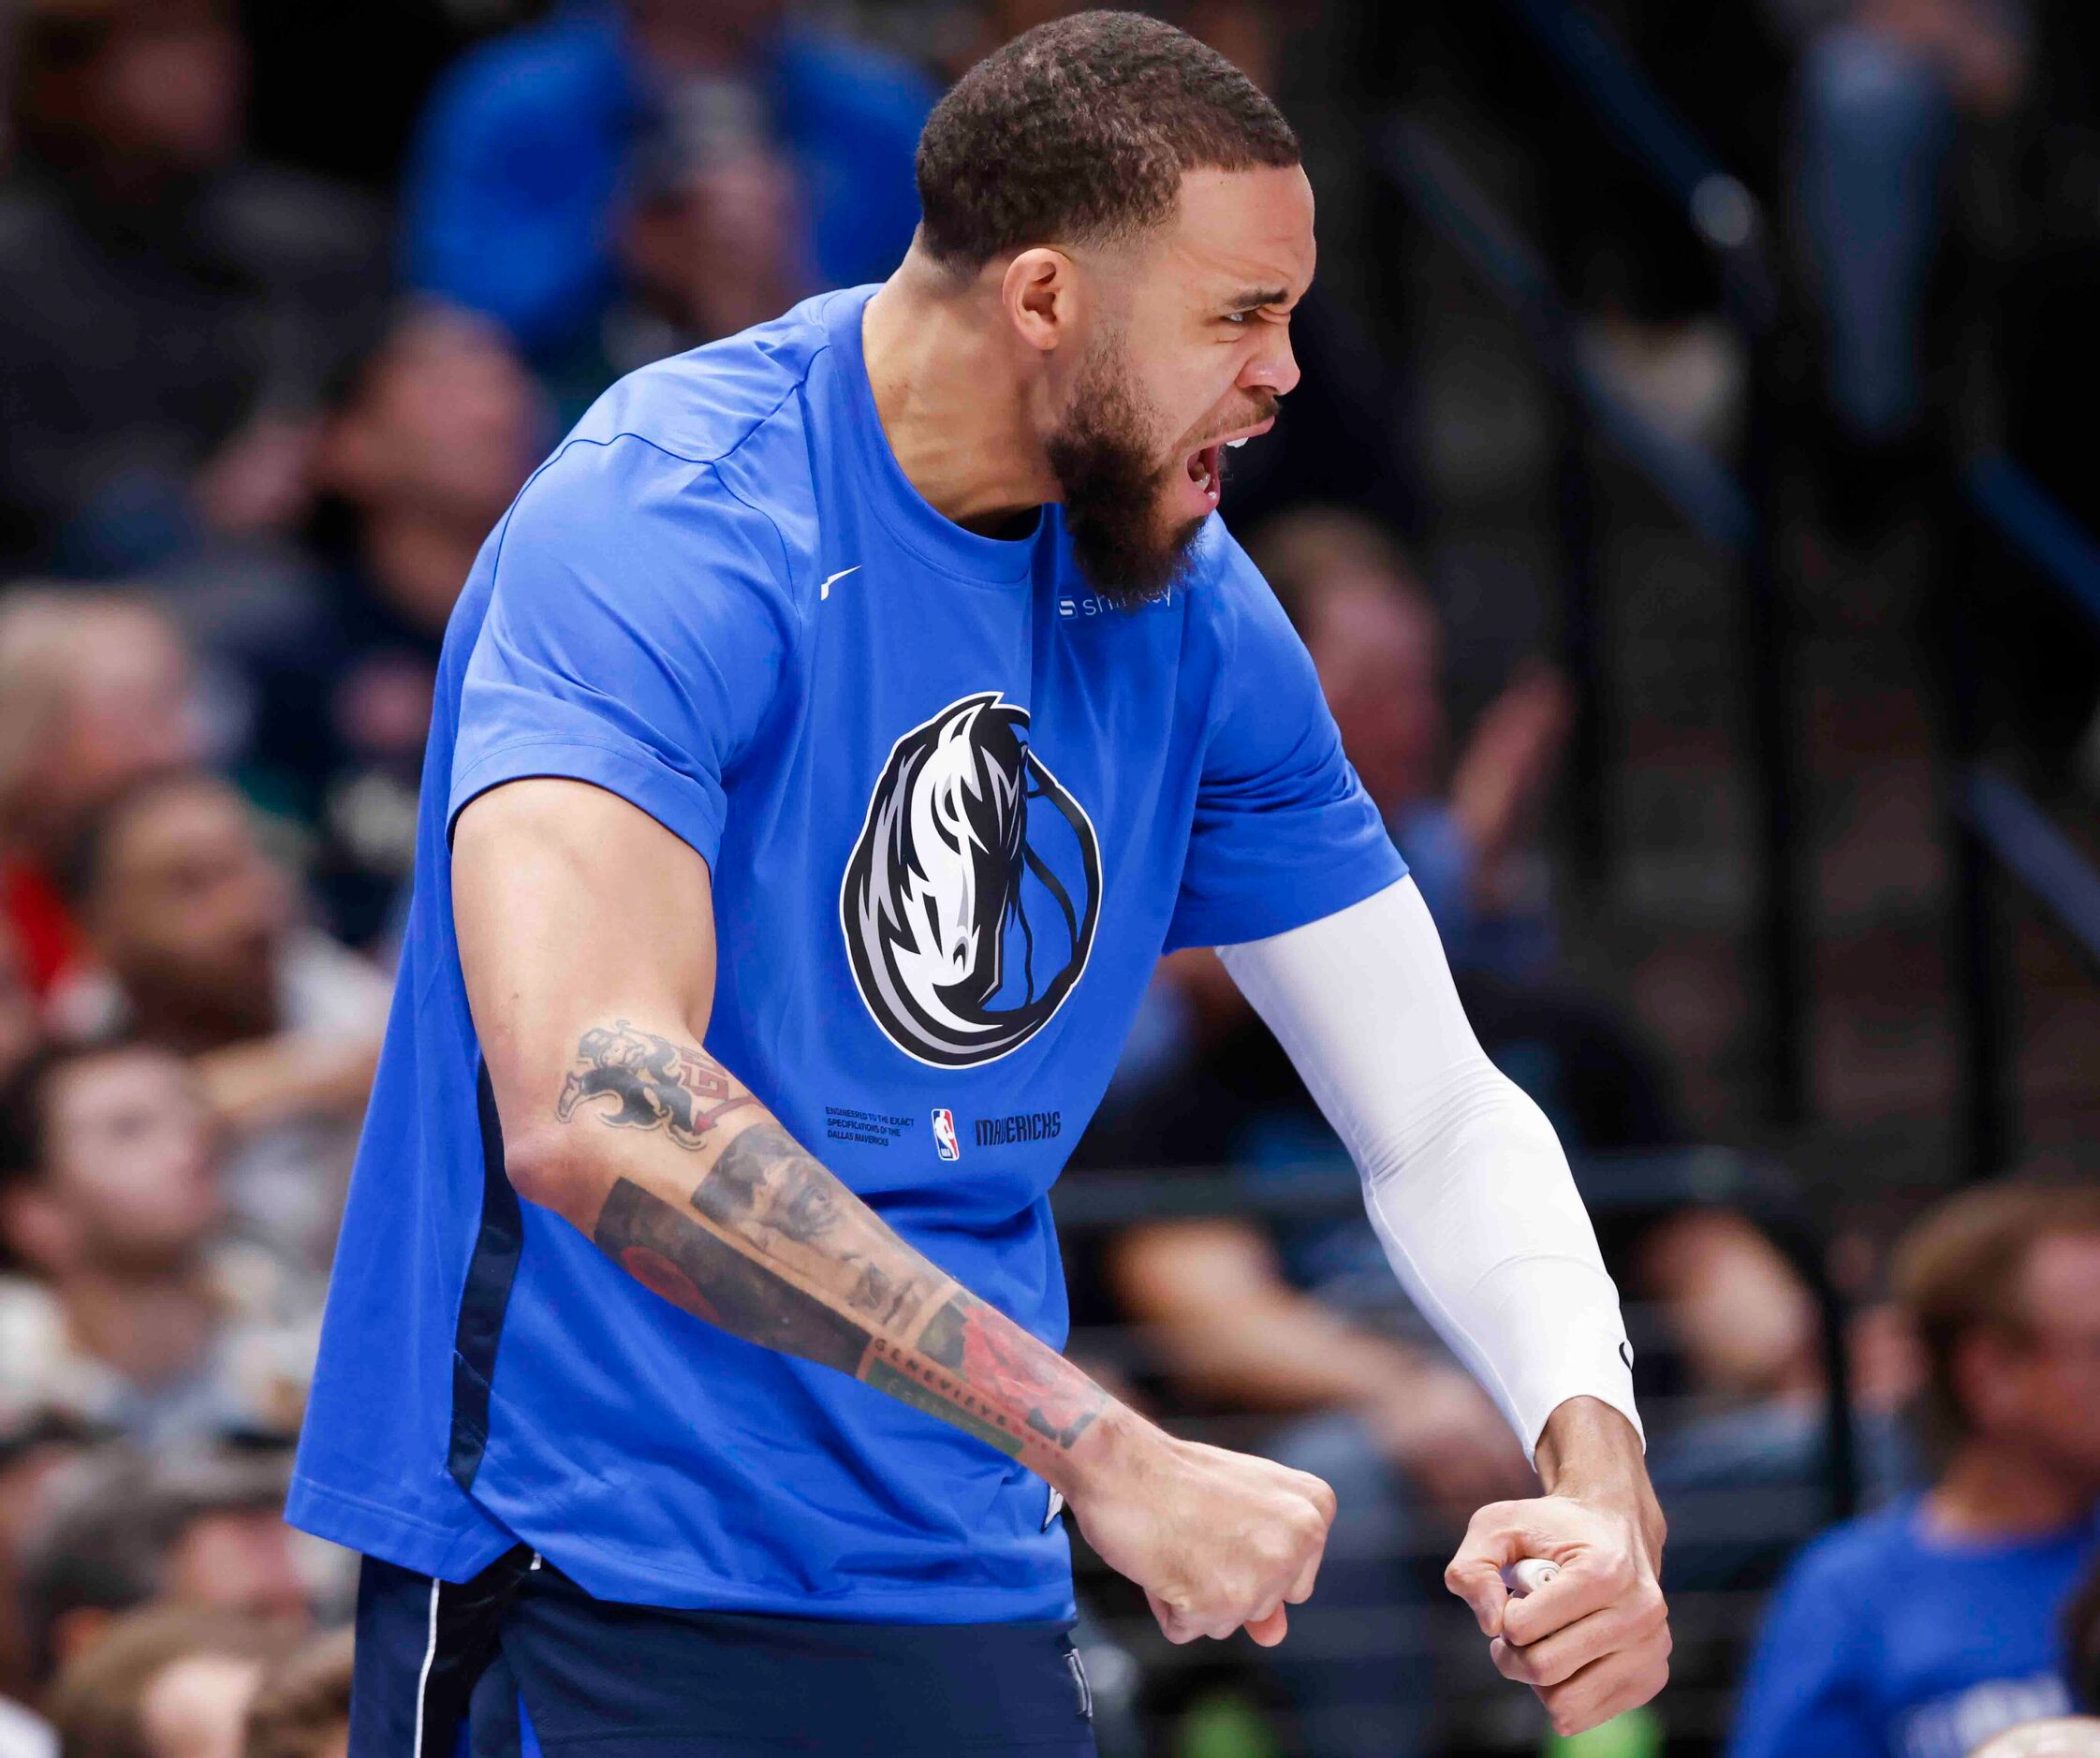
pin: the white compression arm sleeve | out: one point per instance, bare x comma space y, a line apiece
1463, 1177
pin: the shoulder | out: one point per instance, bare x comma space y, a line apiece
714, 403
715, 437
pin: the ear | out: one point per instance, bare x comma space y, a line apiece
1041, 297
35, 1228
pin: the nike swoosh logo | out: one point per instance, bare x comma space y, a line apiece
825, 591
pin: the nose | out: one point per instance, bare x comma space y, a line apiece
1273, 367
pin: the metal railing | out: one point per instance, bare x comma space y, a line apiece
2000, 830
1732, 510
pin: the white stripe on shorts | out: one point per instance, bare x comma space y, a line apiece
423, 1678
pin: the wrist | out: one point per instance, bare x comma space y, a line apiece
1589, 1453
1118, 1446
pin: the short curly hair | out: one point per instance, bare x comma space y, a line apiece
1079, 131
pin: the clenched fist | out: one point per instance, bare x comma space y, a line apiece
1595, 1641
1219, 1541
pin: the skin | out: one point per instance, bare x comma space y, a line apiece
118, 1219
2030, 1463
191, 914
238, 1560
616, 1118
197, 1707
124, 711
2074, 1737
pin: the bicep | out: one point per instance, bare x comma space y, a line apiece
573, 908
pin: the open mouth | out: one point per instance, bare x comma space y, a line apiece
1206, 469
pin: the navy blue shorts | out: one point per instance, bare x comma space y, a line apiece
521, 1661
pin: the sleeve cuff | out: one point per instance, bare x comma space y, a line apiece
685, 806
1311, 894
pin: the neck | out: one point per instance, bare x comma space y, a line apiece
147, 1329
419, 560
1994, 1493
952, 408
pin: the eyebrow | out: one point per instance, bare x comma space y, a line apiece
1257, 296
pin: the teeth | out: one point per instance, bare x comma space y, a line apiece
1235, 445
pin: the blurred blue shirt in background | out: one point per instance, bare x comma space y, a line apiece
1886, 1637
518, 172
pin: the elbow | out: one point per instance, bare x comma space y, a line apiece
544, 1167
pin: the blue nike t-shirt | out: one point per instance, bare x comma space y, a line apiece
954, 807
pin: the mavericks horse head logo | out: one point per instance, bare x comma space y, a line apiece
970, 903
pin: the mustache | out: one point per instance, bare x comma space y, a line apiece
1266, 410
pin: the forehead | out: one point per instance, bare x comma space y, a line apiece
1236, 232
90, 1087
170, 822
2061, 1281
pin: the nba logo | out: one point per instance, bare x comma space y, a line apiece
943, 1134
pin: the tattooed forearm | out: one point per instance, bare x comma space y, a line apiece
669, 1253
653, 1084
763, 1176
888, 1299
771, 1247
1000, 1361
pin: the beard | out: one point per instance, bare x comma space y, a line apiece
1129, 551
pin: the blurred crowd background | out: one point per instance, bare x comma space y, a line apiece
1688, 506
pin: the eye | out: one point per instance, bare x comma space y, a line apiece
1239, 317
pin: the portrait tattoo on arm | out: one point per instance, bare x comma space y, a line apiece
671, 1253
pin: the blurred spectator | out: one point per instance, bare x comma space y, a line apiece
1376, 639
520, 175
301, 1709
200, 950
198, 1531
164, 305
1877, 96
1741, 1459
431, 434
95, 691
36, 1443
166, 1684
109, 1196
712, 241
1467, 828
1924, 1629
